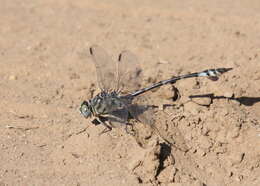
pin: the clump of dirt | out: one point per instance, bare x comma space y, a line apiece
191, 136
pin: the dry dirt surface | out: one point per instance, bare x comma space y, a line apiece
46, 72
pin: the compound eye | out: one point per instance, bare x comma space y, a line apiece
84, 108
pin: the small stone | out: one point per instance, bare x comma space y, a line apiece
162, 61
134, 164
206, 101
13, 77
167, 174
239, 178
205, 131
220, 150
167, 92
161, 107
201, 152
236, 158
228, 94
198, 183
234, 133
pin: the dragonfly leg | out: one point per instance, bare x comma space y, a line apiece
103, 121
96, 122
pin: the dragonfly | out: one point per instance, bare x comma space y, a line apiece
120, 97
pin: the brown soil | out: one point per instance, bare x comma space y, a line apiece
46, 72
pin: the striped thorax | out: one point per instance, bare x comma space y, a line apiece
102, 104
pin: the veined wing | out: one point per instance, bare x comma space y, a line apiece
156, 121
106, 69
129, 72
140, 110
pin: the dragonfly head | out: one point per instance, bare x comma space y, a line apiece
85, 109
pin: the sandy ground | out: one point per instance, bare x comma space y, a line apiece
46, 72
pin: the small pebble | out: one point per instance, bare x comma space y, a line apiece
239, 178
234, 133
202, 101
228, 94
167, 174
236, 158
13, 77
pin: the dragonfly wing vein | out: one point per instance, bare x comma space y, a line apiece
105, 68
129, 72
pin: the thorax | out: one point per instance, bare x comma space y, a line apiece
105, 103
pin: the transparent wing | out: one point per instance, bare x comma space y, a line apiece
141, 110
169, 131
106, 68
156, 120
129, 72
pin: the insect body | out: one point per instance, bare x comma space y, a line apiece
109, 106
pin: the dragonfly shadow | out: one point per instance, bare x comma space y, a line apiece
165, 152
244, 100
